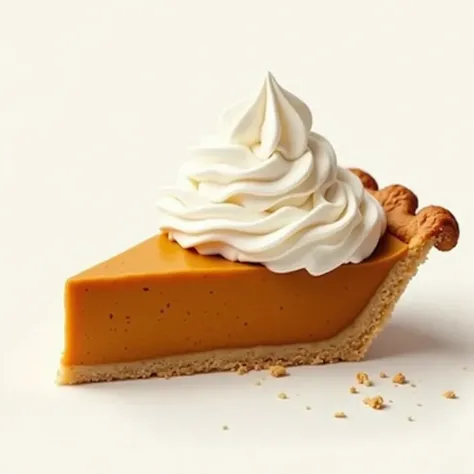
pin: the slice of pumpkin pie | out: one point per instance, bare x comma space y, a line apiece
268, 252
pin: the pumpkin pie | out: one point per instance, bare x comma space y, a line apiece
268, 254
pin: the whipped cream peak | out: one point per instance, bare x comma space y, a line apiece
275, 120
266, 189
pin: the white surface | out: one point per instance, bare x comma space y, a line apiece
98, 101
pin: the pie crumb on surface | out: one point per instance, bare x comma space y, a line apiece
362, 378
353, 390
413, 385
258, 382
383, 375
410, 418
278, 371
282, 395
225, 428
340, 414
376, 402
308, 407
369, 383
450, 394
242, 370
399, 378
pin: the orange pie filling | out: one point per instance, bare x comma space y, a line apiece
157, 299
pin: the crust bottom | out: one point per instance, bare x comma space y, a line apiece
349, 345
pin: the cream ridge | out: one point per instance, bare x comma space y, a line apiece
266, 189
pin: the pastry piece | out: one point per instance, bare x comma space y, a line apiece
158, 309
269, 254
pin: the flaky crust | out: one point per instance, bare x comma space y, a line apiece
431, 223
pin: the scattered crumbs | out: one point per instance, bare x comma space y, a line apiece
413, 385
383, 375
410, 418
353, 390
258, 382
362, 377
282, 396
278, 371
308, 407
376, 402
450, 394
369, 383
225, 428
419, 405
242, 370
340, 414
399, 379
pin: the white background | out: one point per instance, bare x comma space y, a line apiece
98, 102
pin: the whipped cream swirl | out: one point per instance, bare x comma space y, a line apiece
267, 190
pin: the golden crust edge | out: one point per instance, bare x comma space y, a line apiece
349, 345
405, 221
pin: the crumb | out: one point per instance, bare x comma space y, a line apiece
278, 371
308, 407
399, 379
258, 382
419, 405
282, 395
383, 375
369, 383
225, 428
450, 394
374, 402
353, 390
340, 414
413, 385
390, 401
410, 418
242, 370
362, 377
